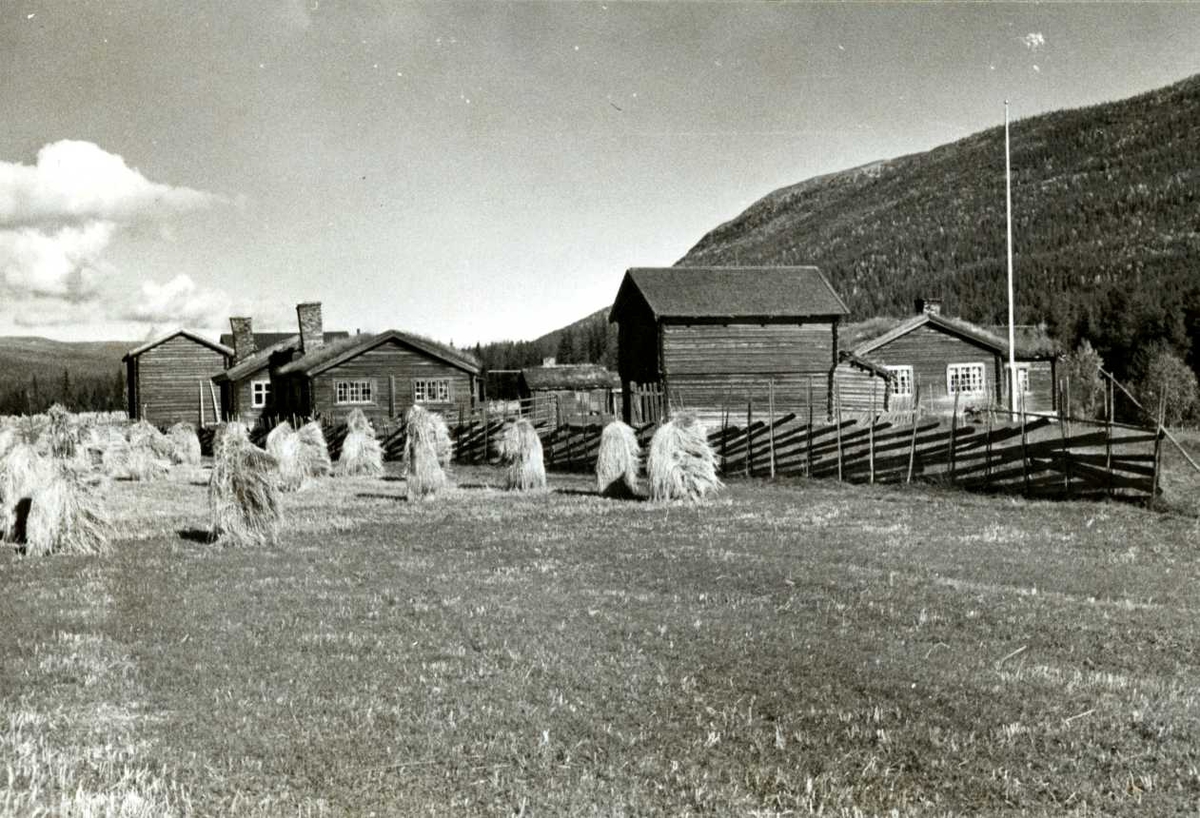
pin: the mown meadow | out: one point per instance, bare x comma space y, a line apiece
789, 647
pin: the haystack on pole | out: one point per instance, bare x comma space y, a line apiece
243, 497
277, 437
185, 444
362, 453
21, 469
521, 449
65, 515
423, 473
681, 464
618, 460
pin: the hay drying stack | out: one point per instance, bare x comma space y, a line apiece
618, 461
243, 499
185, 444
47, 508
301, 454
362, 453
63, 434
681, 464
316, 450
423, 453
147, 456
521, 449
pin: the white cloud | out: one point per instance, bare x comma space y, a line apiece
179, 302
1034, 40
58, 218
76, 182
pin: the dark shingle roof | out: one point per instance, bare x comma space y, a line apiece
730, 292
569, 376
332, 354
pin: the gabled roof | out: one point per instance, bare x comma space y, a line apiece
162, 339
1032, 344
266, 339
339, 352
569, 376
259, 361
729, 292
866, 365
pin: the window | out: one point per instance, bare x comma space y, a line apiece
1022, 378
904, 380
431, 390
965, 379
355, 391
260, 393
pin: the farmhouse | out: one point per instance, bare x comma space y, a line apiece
247, 386
382, 374
860, 385
948, 357
714, 338
168, 378
572, 391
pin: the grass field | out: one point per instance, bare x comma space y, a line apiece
789, 648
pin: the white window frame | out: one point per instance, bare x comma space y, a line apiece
966, 366
903, 387
357, 391
432, 390
260, 393
1022, 377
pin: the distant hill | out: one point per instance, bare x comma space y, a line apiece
35, 372
1106, 206
589, 340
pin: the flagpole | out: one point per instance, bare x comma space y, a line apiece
1012, 358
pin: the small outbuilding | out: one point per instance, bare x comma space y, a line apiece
575, 392
169, 378
710, 339
860, 385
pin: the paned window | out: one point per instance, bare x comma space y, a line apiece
260, 393
966, 379
1022, 377
431, 390
354, 392
903, 384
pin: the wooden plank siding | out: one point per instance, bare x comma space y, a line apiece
853, 387
391, 368
243, 400
711, 367
168, 380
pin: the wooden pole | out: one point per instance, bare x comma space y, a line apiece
724, 436
912, 447
1066, 444
838, 400
953, 435
871, 437
749, 441
200, 391
1158, 436
771, 422
1165, 430
212, 389
987, 455
487, 420
1108, 396
1068, 404
1024, 451
808, 435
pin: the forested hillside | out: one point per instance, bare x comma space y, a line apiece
37, 372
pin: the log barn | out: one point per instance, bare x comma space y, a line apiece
382, 374
247, 387
168, 379
860, 385
713, 339
948, 357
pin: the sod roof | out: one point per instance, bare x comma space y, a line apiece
1031, 341
746, 293
330, 355
569, 376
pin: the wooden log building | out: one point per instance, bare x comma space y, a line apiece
169, 378
716, 338
949, 357
576, 392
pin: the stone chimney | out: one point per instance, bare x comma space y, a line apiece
312, 333
929, 306
243, 339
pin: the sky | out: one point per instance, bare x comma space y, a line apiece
473, 171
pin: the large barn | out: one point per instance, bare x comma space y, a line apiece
950, 359
169, 378
713, 338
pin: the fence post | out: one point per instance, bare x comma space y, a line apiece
871, 437
1108, 396
912, 447
1158, 436
1068, 404
1024, 451
838, 428
487, 421
771, 422
987, 455
953, 434
808, 436
749, 448
724, 438
1063, 427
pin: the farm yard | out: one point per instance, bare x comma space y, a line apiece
788, 647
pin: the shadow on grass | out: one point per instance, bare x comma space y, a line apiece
200, 535
391, 478
476, 486
374, 495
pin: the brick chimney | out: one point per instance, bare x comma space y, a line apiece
929, 306
243, 339
312, 333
